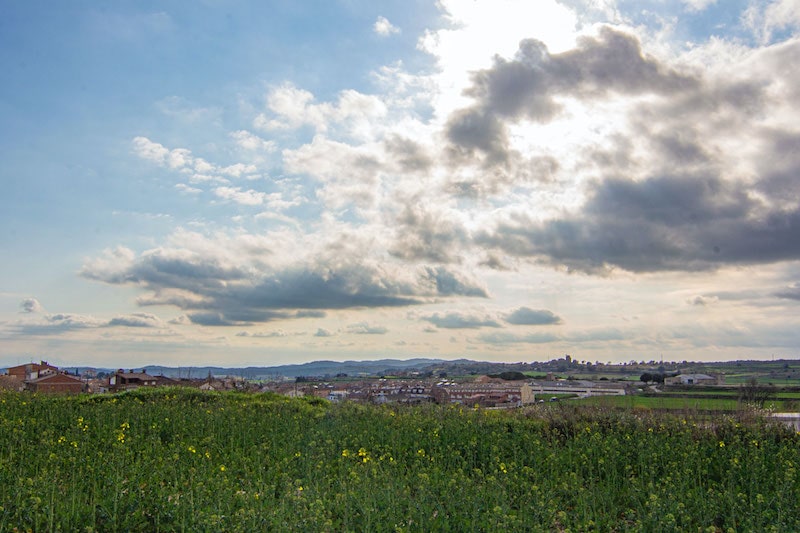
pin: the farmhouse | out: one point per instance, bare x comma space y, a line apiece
580, 387
692, 379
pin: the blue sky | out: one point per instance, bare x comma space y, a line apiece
237, 182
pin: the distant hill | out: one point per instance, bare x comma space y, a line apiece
315, 368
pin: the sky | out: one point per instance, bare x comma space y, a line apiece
237, 182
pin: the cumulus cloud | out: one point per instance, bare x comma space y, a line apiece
322, 332
353, 114
426, 232
137, 320
225, 282
533, 85
703, 300
31, 305
237, 195
249, 141
765, 18
525, 316
58, 323
662, 223
384, 28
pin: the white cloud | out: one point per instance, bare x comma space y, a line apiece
384, 28
698, 5
238, 169
186, 189
248, 141
354, 113
235, 194
766, 18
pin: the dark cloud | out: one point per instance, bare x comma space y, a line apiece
218, 294
686, 223
525, 316
461, 321
409, 155
136, 320
791, 292
211, 319
450, 283
31, 305
322, 332
472, 131
310, 314
425, 234
530, 85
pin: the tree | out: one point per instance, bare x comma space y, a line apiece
754, 393
646, 377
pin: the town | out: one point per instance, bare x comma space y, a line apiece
507, 389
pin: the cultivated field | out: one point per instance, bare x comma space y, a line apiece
179, 459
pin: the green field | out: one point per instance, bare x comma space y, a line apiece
182, 460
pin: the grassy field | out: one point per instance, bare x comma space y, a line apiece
172, 459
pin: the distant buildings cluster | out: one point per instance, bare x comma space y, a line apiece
46, 378
484, 391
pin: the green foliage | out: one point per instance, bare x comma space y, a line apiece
179, 459
509, 376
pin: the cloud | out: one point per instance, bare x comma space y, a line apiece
249, 141
223, 281
698, 5
502, 338
237, 195
31, 305
526, 316
533, 85
702, 300
322, 332
186, 189
292, 108
55, 324
364, 328
426, 232
765, 18
686, 223
384, 28
263, 335
457, 320
137, 320
792, 292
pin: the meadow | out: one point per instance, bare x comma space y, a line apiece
185, 460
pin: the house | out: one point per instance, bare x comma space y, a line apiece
121, 380
31, 371
484, 394
56, 383
691, 379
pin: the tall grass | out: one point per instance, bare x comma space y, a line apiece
182, 460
